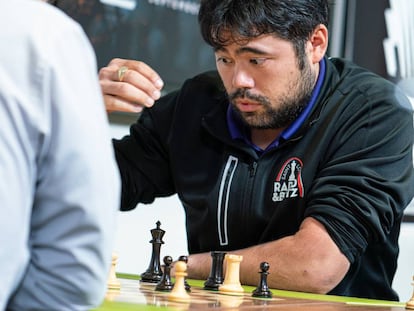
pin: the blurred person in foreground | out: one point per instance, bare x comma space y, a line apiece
59, 187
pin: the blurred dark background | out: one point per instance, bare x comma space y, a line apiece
165, 33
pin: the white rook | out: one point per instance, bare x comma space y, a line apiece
231, 284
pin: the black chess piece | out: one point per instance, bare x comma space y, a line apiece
187, 286
215, 278
262, 289
165, 283
154, 273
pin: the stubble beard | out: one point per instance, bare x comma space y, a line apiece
282, 111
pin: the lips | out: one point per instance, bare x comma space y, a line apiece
245, 106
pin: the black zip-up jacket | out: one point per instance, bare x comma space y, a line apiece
349, 166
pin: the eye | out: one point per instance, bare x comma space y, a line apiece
223, 60
257, 61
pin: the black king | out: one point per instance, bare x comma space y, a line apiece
154, 272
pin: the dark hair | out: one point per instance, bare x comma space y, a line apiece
292, 20
53, 2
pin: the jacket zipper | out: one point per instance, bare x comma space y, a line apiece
252, 168
249, 188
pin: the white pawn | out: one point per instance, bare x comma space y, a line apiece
231, 284
113, 282
410, 303
179, 293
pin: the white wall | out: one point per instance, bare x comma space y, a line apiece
133, 236
405, 270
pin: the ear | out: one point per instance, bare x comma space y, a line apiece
318, 43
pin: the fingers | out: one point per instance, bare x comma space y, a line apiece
123, 93
113, 103
139, 88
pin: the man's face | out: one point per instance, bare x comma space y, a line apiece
264, 82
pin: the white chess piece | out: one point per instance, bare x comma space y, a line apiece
178, 293
410, 303
113, 282
231, 284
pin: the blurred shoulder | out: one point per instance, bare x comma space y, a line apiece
34, 18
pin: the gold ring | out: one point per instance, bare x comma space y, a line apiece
121, 72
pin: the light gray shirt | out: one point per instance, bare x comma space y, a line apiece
59, 183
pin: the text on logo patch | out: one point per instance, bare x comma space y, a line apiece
288, 183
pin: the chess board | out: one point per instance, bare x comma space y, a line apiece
136, 295
136, 292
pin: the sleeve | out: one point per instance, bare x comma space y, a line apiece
143, 157
75, 181
366, 176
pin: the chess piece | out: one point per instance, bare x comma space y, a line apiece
112, 294
231, 284
113, 282
178, 292
165, 283
262, 289
187, 286
410, 303
154, 273
215, 278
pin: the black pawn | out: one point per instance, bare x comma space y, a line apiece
187, 286
165, 283
154, 273
215, 278
262, 289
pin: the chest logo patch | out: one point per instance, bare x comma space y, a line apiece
288, 183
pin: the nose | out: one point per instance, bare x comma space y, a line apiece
242, 79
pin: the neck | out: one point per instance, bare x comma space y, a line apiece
263, 138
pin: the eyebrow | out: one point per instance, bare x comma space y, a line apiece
243, 50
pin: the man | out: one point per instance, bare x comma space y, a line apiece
284, 156
59, 185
